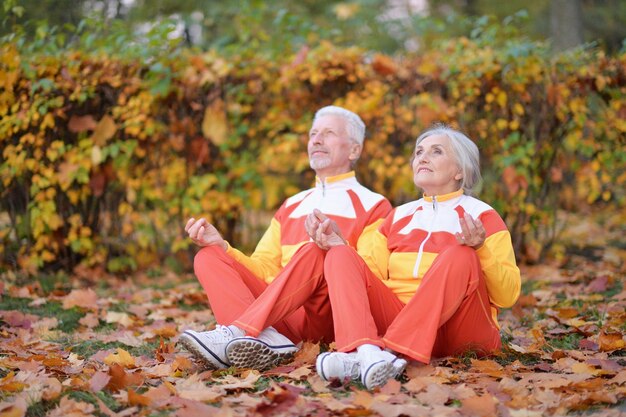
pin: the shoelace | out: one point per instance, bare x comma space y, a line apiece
351, 367
220, 334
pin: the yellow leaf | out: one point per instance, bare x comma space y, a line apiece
105, 129
96, 155
583, 368
121, 357
501, 99
214, 124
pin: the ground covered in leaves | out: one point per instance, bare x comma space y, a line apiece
92, 344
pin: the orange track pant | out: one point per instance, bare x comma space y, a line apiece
448, 314
296, 302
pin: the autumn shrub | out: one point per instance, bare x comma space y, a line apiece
104, 157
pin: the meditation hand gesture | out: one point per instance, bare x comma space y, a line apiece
203, 233
472, 232
323, 230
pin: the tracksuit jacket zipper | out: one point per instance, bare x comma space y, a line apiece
420, 252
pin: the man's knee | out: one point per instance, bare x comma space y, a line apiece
339, 253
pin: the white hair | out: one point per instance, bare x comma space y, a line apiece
465, 151
354, 125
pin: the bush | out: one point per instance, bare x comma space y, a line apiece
104, 157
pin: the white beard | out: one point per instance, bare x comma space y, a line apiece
319, 163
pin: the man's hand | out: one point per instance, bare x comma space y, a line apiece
323, 230
203, 233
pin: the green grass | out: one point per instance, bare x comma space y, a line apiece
91, 397
86, 349
566, 342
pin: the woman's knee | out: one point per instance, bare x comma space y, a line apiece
459, 253
208, 255
313, 249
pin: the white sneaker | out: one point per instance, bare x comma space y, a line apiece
344, 366
399, 365
210, 347
261, 353
376, 368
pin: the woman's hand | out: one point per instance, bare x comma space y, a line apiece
472, 232
323, 230
203, 233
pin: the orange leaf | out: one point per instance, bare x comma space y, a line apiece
488, 367
384, 65
120, 379
137, 399
307, 354
611, 341
79, 124
104, 131
479, 406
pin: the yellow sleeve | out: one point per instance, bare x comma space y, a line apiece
372, 247
502, 275
265, 262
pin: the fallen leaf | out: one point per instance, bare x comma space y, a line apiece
611, 341
98, 381
69, 407
119, 317
301, 373
137, 399
15, 408
599, 284
120, 357
248, 380
193, 388
488, 367
120, 379
85, 298
51, 389
483, 406
307, 355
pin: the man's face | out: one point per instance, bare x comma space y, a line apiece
330, 149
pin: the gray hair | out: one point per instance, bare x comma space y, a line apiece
465, 151
354, 125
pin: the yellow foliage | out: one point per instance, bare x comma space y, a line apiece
231, 136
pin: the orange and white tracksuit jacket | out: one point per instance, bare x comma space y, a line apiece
404, 247
356, 209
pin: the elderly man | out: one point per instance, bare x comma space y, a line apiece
267, 302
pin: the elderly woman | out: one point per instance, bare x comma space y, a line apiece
429, 281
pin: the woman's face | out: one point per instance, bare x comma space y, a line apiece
435, 168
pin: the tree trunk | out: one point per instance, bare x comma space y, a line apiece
566, 24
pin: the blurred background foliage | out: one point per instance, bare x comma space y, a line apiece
280, 26
120, 119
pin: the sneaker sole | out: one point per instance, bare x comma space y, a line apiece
377, 374
200, 351
255, 354
399, 365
